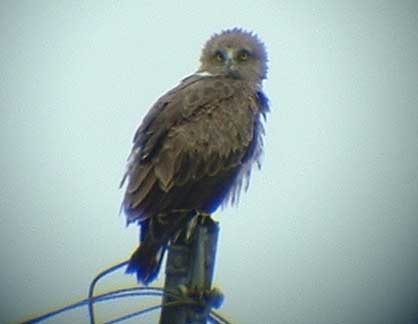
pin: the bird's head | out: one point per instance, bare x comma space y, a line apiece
235, 53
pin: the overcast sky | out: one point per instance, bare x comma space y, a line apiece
327, 233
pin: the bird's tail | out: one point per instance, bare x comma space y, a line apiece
146, 260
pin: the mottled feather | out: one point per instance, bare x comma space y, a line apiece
195, 148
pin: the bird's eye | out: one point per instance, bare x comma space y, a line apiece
243, 55
219, 56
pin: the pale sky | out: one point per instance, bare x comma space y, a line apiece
327, 233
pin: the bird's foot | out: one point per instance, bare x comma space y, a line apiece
205, 298
200, 218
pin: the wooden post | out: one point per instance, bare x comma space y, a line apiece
189, 271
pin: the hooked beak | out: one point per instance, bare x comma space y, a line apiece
230, 66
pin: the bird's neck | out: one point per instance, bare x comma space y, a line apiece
255, 85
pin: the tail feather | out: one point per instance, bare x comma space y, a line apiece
146, 261
155, 236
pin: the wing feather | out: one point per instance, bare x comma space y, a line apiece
139, 196
138, 175
204, 127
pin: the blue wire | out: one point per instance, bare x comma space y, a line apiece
93, 285
131, 315
120, 293
99, 298
144, 311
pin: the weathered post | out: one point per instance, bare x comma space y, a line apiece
189, 272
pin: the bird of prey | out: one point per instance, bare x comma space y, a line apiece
195, 148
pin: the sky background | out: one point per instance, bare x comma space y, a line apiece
328, 231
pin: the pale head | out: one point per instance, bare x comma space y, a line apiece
235, 53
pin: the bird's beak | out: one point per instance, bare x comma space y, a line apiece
229, 60
230, 66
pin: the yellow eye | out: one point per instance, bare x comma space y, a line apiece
244, 55
219, 56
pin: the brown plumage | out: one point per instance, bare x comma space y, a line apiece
196, 145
